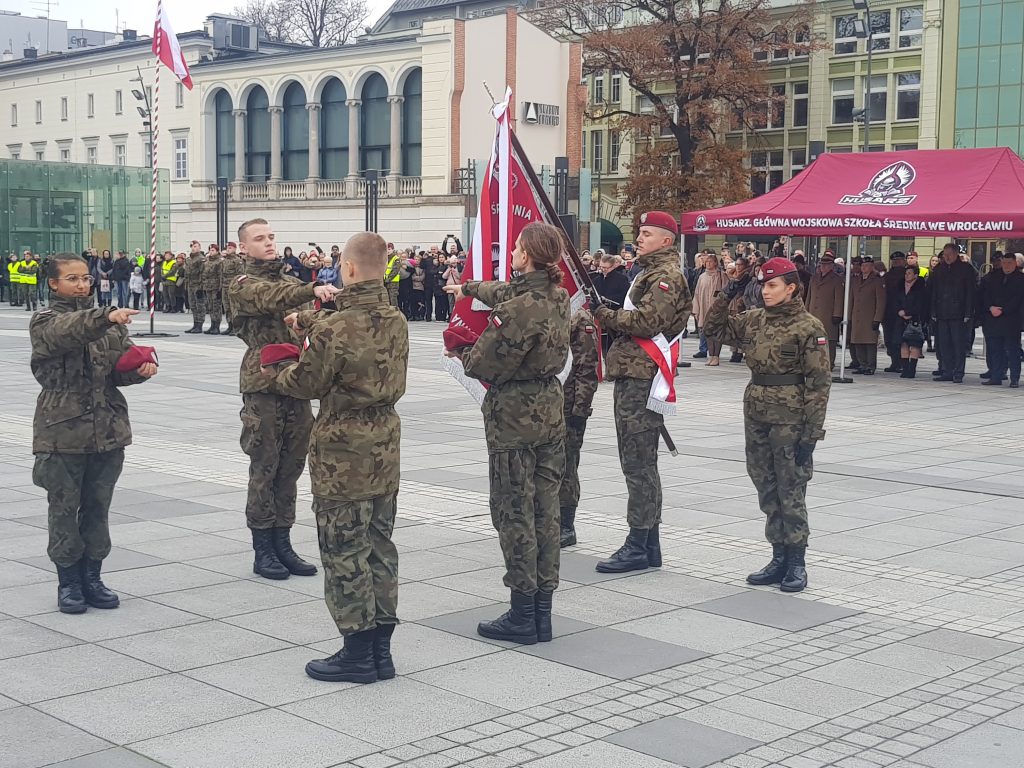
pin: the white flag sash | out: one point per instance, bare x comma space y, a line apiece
665, 355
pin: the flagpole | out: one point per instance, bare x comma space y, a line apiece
155, 119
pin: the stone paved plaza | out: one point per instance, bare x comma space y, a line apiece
907, 649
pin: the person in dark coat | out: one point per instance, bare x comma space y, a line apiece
953, 284
893, 281
612, 285
429, 266
805, 274
910, 304
1000, 305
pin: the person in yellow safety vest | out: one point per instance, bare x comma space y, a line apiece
392, 274
140, 258
168, 268
14, 277
28, 267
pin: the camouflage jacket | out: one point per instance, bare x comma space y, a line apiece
194, 270
355, 364
581, 385
662, 300
785, 339
260, 298
520, 353
74, 351
230, 268
211, 273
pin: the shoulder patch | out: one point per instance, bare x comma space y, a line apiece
305, 343
821, 341
588, 329
46, 312
663, 285
242, 278
496, 321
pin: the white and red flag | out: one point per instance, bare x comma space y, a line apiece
166, 48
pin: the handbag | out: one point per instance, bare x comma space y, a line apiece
104, 286
913, 335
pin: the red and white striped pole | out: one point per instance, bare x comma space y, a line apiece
154, 117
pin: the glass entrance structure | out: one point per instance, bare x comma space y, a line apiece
58, 207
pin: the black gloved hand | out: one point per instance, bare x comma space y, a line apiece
837, 321
579, 423
804, 451
595, 299
968, 320
732, 290
874, 327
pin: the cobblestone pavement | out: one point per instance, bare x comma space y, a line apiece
907, 650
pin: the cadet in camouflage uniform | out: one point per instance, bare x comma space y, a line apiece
519, 355
661, 304
81, 426
212, 285
275, 427
194, 286
355, 365
783, 410
579, 390
230, 268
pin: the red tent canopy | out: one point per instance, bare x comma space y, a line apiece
951, 193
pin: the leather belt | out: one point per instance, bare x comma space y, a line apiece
776, 379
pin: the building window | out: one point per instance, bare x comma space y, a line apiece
118, 102
65, 155
840, 150
583, 152
120, 154
412, 124
881, 30
777, 107
179, 95
333, 131
797, 161
90, 155
39, 111
879, 98
911, 23
257, 135
614, 146
800, 105
616, 87
767, 171
842, 101
599, 87
375, 116
802, 42
14, 115
40, 154
597, 153
845, 36
63, 107
781, 39
181, 159
224, 135
908, 95
90, 105
147, 152
903, 147
295, 139
760, 46
15, 155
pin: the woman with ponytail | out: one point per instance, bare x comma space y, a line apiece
519, 356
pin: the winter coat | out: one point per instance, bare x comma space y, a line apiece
867, 308
1006, 291
953, 287
914, 303
708, 284
122, 270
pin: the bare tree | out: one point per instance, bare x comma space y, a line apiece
319, 23
700, 67
269, 15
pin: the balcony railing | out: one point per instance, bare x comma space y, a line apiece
254, 191
322, 189
291, 190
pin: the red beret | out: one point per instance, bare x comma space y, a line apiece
214, 245
457, 336
278, 353
775, 268
659, 219
231, 244
134, 358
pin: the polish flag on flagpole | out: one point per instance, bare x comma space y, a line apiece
166, 48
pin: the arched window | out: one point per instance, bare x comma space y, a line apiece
802, 40
295, 139
224, 135
257, 136
412, 124
333, 131
781, 43
375, 125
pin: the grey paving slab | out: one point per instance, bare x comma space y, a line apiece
684, 742
19, 574
913, 658
19, 638
243, 742
526, 681
595, 605
600, 753
420, 601
31, 739
963, 644
30, 599
171, 703
119, 559
870, 678
191, 546
672, 588
726, 720
700, 630
813, 696
119, 757
947, 562
986, 746
613, 653
464, 623
170, 577
397, 712
133, 616
229, 599
300, 623
580, 569
774, 610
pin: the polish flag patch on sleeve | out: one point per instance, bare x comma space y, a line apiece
305, 344
242, 278
821, 341
588, 329
663, 285
496, 321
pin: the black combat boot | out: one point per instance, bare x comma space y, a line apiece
213, 330
516, 625
567, 530
289, 558
909, 369
737, 357
69, 589
354, 663
774, 572
631, 556
542, 608
93, 589
796, 573
266, 563
382, 651
196, 328
654, 547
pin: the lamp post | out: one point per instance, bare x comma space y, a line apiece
862, 29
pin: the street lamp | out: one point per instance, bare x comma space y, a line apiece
862, 30
145, 112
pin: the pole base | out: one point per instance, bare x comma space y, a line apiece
842, 380
153, 335
682, 364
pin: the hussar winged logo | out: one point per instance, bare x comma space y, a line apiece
701, 225
887, 187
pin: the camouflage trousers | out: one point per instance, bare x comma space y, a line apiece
781, 484
360, 561
197, 305
392, 293
636, 430
524, 510
275, 437
569, 491
79, 488
213, 307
